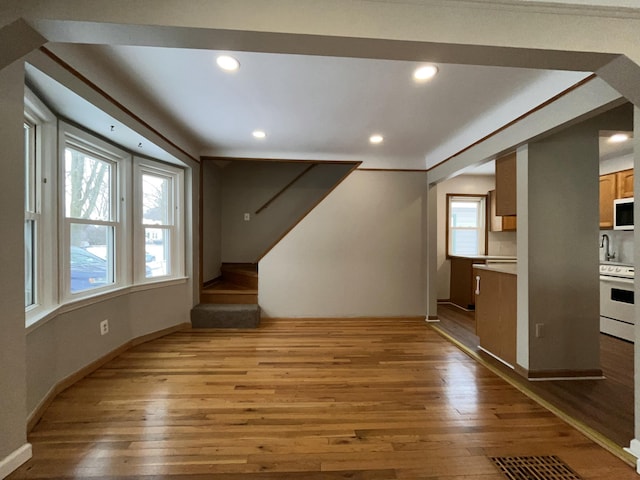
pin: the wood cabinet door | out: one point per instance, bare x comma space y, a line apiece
496, 314
460, 285
496, 222
624, 184
509, 223
506, 185
487, 307
608, 192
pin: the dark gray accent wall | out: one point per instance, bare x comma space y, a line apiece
246, 186
211, 220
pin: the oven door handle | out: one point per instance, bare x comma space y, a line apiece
612, 280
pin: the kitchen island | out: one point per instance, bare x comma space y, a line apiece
462, 284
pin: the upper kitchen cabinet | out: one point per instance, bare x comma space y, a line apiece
608, 190
506, 185
496, 222
624, 181
613, 185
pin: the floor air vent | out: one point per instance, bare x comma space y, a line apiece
534, 468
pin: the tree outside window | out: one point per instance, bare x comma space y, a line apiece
90, 213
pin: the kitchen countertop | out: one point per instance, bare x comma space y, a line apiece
509, 268
504, 258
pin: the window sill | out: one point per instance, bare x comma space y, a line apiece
42, 316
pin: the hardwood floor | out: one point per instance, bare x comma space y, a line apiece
607, 406
301, 399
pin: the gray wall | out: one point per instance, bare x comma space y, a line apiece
211, 221
562, 244
358, 254
246, 186
12, 338
65, 344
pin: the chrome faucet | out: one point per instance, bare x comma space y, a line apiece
605, 244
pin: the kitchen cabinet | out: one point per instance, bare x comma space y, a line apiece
462, 281
496, 313
461, 286
608, 191
624, 183
506, 185
498, 223
613, 185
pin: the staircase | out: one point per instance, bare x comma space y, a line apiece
230, 301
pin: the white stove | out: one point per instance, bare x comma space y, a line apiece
616, 270
617, 312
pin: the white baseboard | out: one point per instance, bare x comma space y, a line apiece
634, 449
14, 460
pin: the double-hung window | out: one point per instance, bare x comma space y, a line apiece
31, 214
40, 241
93, 197
466, 225
158, 217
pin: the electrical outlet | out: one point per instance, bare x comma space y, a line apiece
104, 327
539, 330
247, 217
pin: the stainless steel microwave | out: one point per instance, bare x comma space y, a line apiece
623, 214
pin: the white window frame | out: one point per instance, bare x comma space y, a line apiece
144, 166
71, 136
43, 214
481, 200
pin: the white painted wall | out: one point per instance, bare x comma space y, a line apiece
12, 338
359, 253
500, 243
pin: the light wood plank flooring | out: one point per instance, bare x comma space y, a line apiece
300, 399
603, 405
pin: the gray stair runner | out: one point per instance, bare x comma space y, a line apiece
210, 315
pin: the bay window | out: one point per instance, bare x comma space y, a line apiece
97, 219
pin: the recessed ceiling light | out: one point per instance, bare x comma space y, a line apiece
424, 73
618, 138
228, 63
376, 138
259, 134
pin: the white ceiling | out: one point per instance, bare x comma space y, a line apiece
314, 107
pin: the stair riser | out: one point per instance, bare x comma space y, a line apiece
248, 280
228, 298
220, 316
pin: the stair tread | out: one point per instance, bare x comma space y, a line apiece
222, 286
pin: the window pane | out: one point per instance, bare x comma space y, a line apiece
87, 186
464, 242
155, 200
30, 167
157, 258
464, 214
91, 257
29, 263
